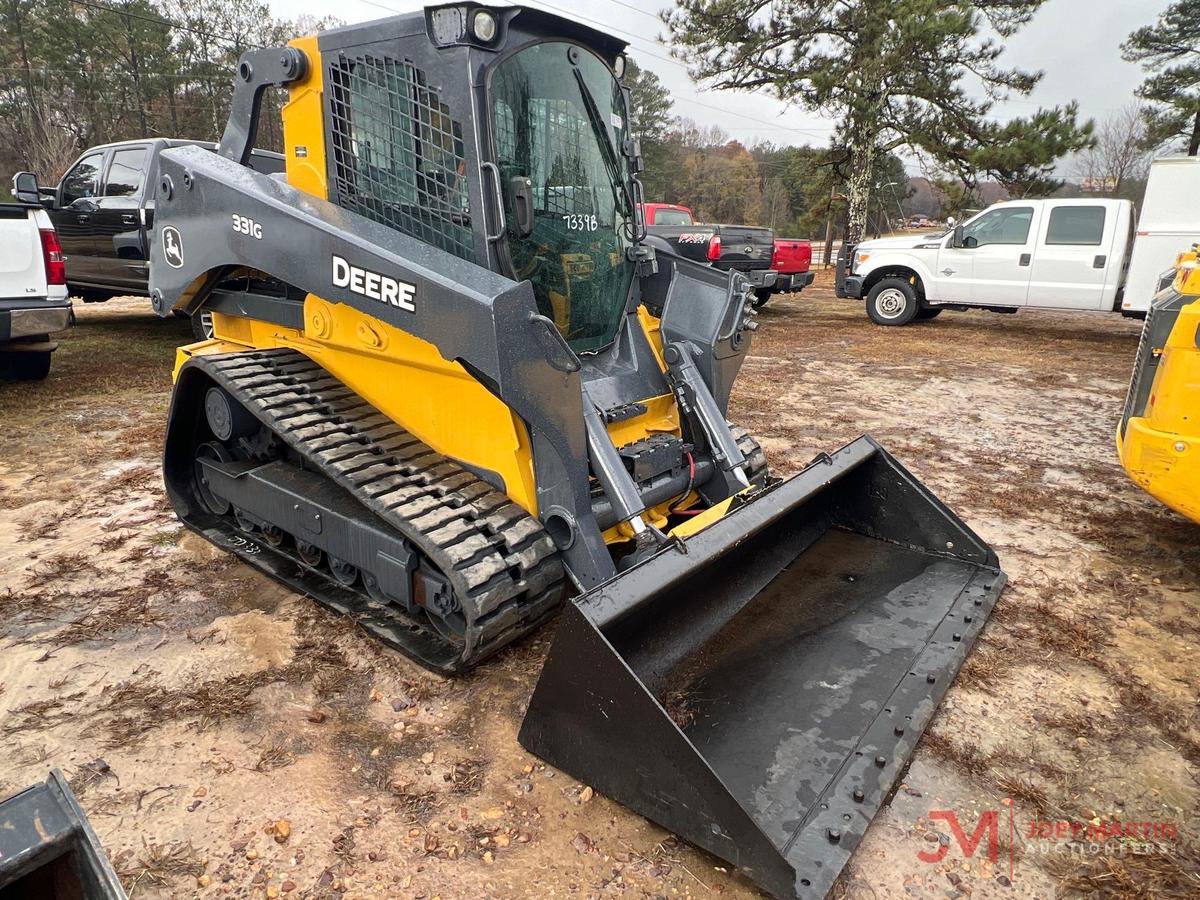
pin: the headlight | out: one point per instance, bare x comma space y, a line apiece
619, 67
484, 26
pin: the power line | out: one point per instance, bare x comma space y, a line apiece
224, 76
635, 9
674, 62
161, 20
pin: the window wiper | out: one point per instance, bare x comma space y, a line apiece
607, 151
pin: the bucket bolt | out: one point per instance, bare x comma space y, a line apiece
881, 761
833, 834
859, 796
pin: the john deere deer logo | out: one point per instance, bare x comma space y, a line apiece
172, 247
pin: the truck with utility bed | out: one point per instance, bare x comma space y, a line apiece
103, 211
1074, 253
33, 284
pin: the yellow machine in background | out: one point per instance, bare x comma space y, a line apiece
1159, 437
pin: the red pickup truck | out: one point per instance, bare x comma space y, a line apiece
792, 261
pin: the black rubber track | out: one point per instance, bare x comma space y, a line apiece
501, 564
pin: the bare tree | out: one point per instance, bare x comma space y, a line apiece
1119, 157
50, 149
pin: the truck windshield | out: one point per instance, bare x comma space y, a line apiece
558, 123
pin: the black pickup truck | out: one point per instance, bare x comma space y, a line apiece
103, 211
746, 248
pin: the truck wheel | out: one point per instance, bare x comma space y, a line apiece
893, 301
761, 296
202, 325
25, 365
928, 312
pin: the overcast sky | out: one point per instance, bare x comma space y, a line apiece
1075, 42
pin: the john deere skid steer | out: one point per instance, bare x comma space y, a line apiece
453, 385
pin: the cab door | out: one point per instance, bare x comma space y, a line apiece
1001, 244
73, 216
1073, 259
121, 254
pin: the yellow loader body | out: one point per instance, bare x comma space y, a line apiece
1159, 440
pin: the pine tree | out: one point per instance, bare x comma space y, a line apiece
894, 73
1170, 51
650, 110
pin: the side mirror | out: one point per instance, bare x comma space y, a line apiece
957, 239
521, 188
633, 151
25, 188
951, 221
84, 204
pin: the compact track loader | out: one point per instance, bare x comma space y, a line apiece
452, 385
1158, 439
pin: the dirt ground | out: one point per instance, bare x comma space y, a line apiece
228, 738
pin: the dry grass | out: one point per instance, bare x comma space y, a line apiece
1170, 872
998, 770
1022, 788
111, 542
59, 566
208, 702
145, 438
965, 757
39, 714
466, 776
987, 666
135, 707
161, 864
416, 807
277, 754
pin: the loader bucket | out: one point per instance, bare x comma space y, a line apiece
48, 850
759, 687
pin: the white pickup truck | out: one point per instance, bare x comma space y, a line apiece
33, 284
1052, 254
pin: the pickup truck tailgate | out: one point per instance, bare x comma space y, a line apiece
746, 246
22, 273
791, 256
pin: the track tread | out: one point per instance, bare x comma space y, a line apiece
503, 566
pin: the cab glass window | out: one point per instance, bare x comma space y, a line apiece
1079, 225
83, 180
125, 175
1008, 225
559, 125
